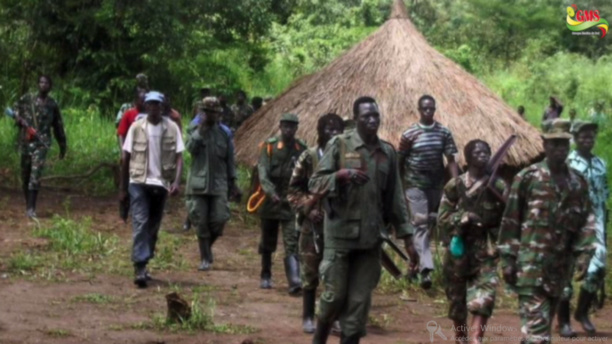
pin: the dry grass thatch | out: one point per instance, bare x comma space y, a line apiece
396, 66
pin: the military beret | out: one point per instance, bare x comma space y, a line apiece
290, 117
211, 104
558, 129
579, 126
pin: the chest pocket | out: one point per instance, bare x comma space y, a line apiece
221, 149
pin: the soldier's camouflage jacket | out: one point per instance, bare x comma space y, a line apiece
275, 166
43, 117
544, 229
460, 197
298, 195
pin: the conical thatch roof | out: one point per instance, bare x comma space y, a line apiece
396, 66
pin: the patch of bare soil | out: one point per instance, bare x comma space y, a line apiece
39, 310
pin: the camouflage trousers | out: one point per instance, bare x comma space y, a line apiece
536, 310
310, 259
474, 293
32, 164
208, 214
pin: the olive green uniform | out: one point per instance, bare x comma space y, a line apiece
211, 174
351, 266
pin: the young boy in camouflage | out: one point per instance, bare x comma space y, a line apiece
310, 214
547, 224
472, 212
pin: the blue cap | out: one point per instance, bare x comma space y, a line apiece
154, 96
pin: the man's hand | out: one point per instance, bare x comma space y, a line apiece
174, 189
315, 216
350, 175
407, 142
509, 275
581, 271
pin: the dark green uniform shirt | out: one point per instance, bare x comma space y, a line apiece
275, 166
360, 212
212, 167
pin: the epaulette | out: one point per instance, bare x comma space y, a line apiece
302, 143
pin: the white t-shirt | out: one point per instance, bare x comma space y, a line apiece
154, 133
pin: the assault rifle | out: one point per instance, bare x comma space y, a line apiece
31, 132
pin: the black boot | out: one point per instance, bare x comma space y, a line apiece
425, 279
292, 270
31, 204
354, 339
204, 245
582, 311
140, 275
321, 333
266, 270
563, 317
309, 310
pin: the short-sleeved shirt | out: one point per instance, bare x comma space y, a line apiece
424, 163
154, 133
129, 117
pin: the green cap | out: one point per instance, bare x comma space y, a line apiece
290, 117
579, 126
558, 129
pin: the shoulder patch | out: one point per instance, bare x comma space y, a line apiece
272, 140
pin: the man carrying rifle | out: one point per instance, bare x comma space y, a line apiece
310, 214
470, 213
37, 114
359, 175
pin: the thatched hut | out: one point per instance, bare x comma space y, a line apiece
396, 66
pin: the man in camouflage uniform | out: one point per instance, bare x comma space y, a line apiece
548, 222
275, 165
37, 114
471, 213
212, 178
359, 176
241, 110
310, 215
594, 170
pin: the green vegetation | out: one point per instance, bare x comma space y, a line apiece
94, 298
202, 319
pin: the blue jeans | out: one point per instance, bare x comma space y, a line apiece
147, 206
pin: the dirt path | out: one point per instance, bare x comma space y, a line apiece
105, 307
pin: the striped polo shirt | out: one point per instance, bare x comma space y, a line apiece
423, 163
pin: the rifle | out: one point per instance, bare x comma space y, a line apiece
491, 171
30, 131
